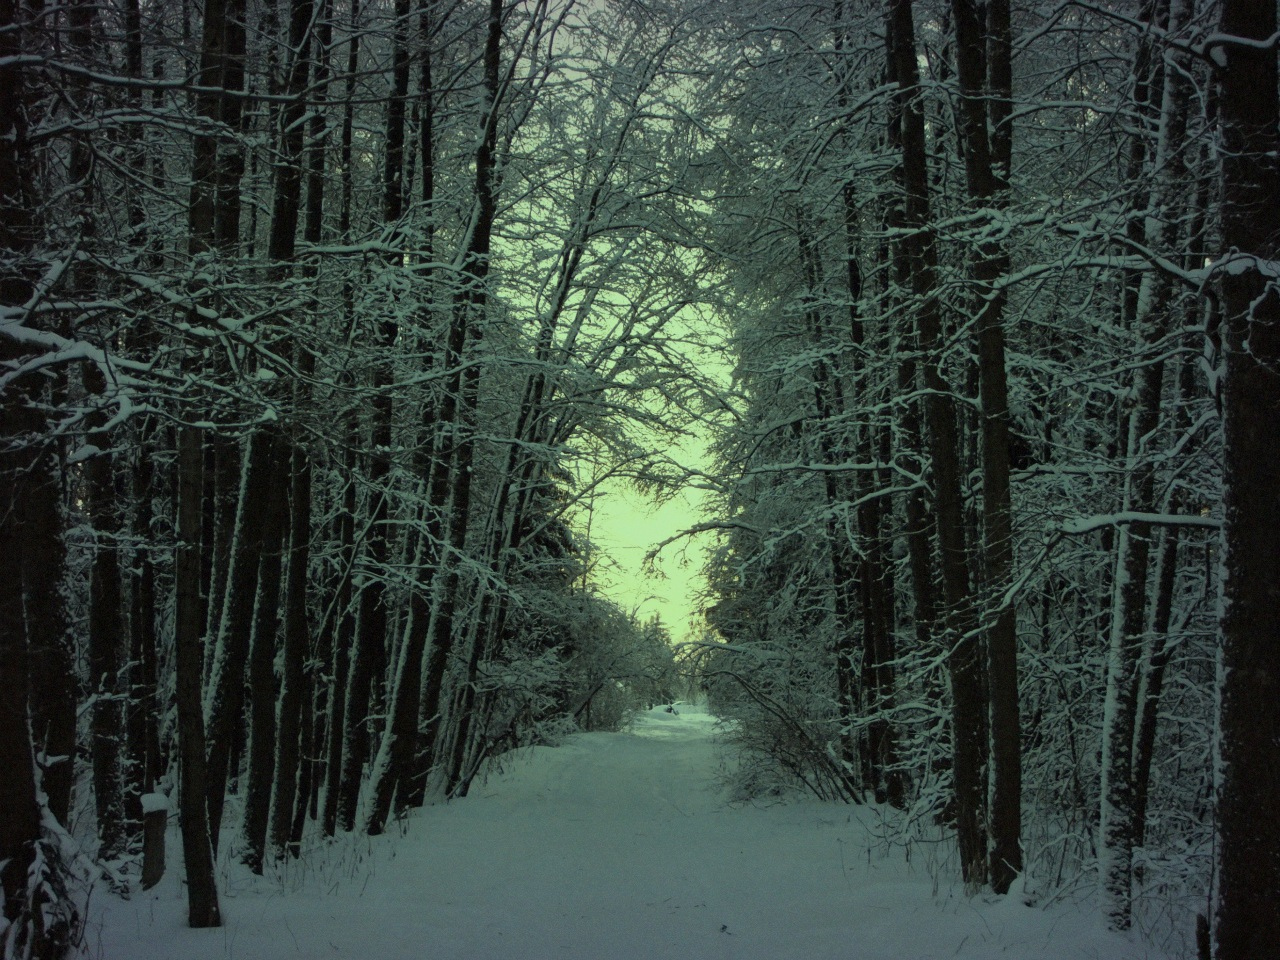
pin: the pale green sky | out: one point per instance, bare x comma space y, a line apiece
625, 525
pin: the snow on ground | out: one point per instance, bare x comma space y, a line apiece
610, 847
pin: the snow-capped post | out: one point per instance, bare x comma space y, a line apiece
1247, 924
155, 822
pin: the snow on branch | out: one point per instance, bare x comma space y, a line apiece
1211, 47
1083, 525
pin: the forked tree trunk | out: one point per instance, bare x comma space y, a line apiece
458, 408
1133, 553
285, 219
969, 707
983, 62
222, 48
224, 703
372, 630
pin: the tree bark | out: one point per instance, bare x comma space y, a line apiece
221, 47
1133, 554
225, 702
285, 218
30, 538
461, 392
985, 109
262, 658
874, 576
969, 707
197, 841
342, 621
372, 630
1247, 922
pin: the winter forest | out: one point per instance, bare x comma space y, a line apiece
324, 323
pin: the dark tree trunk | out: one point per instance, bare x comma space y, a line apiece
341, 637
341, 621
197, 842
106, 642
399, 772
106, 616
1162, 642
1133, 551
224, 470
285, 217
141, 716
873, 577
461, 393
1248, 924
43, 567
30, 539
293, 683
146, 760
38, 919
372, 631
969, 707
222, 48
262, 656
222, 485
984, 70
909, 444
850, 655
399, 738
20, 826
225, 707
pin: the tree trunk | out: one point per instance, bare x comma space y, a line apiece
372, 630
985, 110
222, 485
106, 641
1133, 553
143, 763
1158, 650
225, 703
30, 539
262, 658
969, 708
1247, 923
285, 217
197, 842
342, 620
461, 392
146, 760
341, 628
222, 46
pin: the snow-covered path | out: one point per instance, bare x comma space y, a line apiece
611, 847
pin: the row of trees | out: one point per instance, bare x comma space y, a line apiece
308, 308
971, 497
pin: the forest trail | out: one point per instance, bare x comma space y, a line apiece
610, 847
